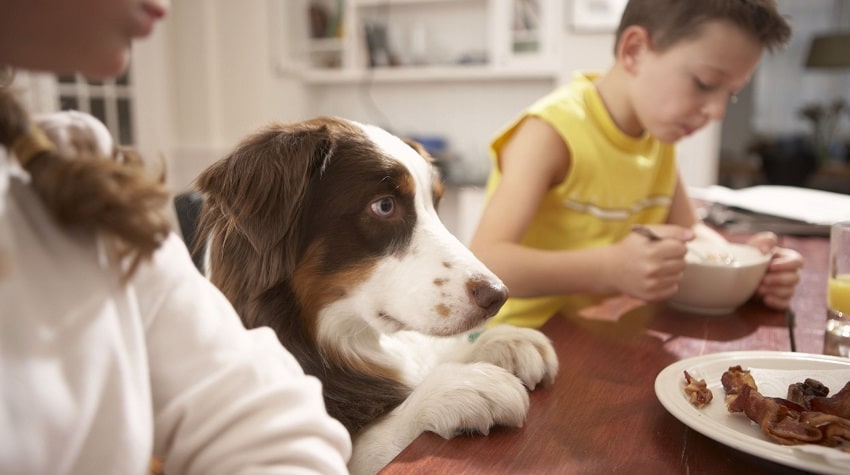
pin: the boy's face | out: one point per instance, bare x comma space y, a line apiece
678, 91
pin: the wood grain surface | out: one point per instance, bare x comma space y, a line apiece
602, 416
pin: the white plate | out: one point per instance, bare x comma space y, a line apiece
773, 371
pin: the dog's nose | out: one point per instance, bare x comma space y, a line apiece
487, 294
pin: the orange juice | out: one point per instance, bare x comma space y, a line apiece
838, 293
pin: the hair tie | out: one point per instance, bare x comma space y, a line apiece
31, 144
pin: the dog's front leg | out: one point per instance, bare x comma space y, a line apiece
454, 398
379, 443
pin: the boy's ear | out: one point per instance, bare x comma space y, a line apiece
634, 42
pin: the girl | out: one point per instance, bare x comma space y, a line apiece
113, 348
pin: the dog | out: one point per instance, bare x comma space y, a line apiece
327, 231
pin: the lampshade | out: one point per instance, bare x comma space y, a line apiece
830, 51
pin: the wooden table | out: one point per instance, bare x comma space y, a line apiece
602, 415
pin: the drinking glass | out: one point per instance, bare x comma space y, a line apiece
837, 335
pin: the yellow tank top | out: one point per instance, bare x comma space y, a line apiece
614, 181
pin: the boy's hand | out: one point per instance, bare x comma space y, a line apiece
650, 269
778, 284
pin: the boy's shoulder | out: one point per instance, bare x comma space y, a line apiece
572, 96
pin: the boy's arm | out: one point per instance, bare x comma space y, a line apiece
683, 213
535, 159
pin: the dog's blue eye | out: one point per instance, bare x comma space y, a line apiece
383, 207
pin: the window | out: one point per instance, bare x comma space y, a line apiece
109, 100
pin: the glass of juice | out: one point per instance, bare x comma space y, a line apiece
837, 335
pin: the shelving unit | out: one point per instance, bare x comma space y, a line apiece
420, 40
421, 74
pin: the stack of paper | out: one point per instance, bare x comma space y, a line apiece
782, 209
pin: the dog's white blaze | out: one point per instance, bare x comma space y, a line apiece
425, 288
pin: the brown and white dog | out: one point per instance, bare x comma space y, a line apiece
326, 231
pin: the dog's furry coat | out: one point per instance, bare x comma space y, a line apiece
327, 232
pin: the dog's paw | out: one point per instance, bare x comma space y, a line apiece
466, 398
525, 352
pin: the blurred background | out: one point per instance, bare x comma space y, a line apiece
449, 73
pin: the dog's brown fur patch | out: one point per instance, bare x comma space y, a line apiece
288, 224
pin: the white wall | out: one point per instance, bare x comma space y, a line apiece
468, 114
151, 77
224, 80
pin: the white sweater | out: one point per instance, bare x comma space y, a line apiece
96, 378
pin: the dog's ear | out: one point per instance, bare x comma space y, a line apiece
259, 188
437, 185
420, 149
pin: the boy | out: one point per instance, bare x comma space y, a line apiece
585, 163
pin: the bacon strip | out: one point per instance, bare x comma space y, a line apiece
838, 404
790, 422
733, 380
835, 429
777, 418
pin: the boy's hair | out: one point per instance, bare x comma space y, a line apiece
670, 21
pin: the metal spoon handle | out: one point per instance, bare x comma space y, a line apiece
646, 232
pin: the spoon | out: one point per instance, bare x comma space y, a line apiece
719, 258
645, 232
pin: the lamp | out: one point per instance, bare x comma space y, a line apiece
829, 51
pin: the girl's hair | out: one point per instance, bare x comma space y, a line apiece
670, 21
90, 192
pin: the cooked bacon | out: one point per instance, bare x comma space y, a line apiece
802, 393
791, 422
733, 380
835, 429
778, 418
838, 404
697, 390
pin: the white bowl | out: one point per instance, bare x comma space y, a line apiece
712, 285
